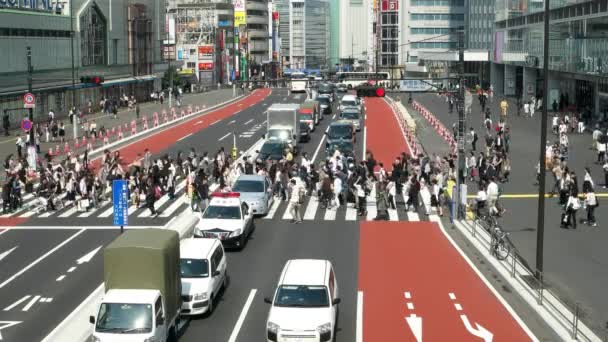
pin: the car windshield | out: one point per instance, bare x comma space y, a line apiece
303, 117
342, 147
124, 318
323, 100
222, 212
340, 132
325, 88
248, 186
302, 296
349, 103
194, 268
350, 115
272, 149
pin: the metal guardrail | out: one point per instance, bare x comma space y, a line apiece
517, 267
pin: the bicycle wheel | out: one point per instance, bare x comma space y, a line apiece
502, 250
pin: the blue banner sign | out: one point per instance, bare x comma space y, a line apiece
120, 200
25, 5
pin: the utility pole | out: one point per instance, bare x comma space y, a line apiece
460, 145
75, 117
30, 90
170, 75
540, 223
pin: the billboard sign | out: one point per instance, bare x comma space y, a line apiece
390, 5
239, 5
31, 5
239, 18
414, 85
205, 66
205, 51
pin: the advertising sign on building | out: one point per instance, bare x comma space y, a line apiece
239, 5
414, 85
32, 5
205, 51
205, 66
239, 18
390, 5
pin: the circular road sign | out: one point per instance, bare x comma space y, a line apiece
29, 99
26, 124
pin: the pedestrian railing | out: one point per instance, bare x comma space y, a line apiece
569, 314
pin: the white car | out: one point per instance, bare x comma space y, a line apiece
203, 274
305, 303
350, 101
227, 218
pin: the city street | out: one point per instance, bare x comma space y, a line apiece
53, 260
572, 257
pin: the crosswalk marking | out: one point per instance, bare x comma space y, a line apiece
287, 214
311, 209
177, 202
91, 212
392, 214
412, 216
163, 200
330, 214
70, 211
108, 212
273, 209
351, 213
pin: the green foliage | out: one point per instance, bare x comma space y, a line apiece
177, 80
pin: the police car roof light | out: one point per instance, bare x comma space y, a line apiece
226, 194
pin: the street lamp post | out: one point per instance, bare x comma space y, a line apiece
74, 117
540, 229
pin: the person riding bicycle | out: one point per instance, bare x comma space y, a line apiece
481, 201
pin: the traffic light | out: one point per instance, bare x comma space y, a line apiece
97, 80
370, 91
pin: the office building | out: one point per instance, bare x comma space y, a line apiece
355, 23
479, 37
578, 53
258, 33
119, 40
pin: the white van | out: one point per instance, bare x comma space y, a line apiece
203, 273
305, 303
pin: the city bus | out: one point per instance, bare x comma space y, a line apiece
355, 78
298, 82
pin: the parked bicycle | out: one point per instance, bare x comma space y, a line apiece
500, 246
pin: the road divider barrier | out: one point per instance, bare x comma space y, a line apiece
443, 132
408, 130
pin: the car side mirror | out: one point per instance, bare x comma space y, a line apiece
267, 300
336, 301
216, 273
92, 319
160, 321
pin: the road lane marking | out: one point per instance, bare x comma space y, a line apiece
69, 212
199, 122
273, 209
4, 231
176, 204
5, 254
71, 269
214, 122
351, 213
314, 156
311, 209
231, 122
412, 216
410, 306
248, 121
407, 295
452, 296
19, 301
225, 136
458, 307
330, 214
239, 322
184, 137
108, 212
60, 278
359, 327
392, 214
87, 257
30, 303
45, 255
333, 116
287, 215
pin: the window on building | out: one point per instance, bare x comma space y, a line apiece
356, 2
92, 37
437, 16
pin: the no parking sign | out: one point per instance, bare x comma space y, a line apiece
29, 101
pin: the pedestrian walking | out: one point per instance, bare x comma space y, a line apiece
137, 111
474, 138
591, 203
20, 146
571, 208
295, 201
381, 202
504, 106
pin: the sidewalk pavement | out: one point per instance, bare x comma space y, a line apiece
124, 117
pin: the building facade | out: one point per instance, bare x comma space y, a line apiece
479, 37
258, 18
578, 53
119, 40
355, 23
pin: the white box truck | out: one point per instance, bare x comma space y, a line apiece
282, 123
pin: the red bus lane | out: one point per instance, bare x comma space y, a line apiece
161, 140
417, 287
384, 138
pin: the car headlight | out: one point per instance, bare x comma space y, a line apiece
236, 232
272, 327
324, 328
200, 296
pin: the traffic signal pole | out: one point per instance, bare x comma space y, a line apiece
30, 90
460, 145
75, 117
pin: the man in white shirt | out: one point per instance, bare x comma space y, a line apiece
294, 200
492, 194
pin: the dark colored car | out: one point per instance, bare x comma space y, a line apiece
304, 132
324, 105
272, 150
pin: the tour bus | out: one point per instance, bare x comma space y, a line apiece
355, 78
298, 82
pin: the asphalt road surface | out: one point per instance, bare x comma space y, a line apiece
375, 262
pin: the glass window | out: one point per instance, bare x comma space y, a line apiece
124, 318
248, 186
194, 268
93, 37
301, 296
221, 212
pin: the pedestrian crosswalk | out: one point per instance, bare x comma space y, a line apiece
310, 210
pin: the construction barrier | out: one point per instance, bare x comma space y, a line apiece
66, 148
443, 132
120, 133
156, 122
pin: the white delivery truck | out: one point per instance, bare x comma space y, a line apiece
143, 288
282, 123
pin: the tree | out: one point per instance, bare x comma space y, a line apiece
177, 80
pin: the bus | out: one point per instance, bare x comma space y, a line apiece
298, 82
355, 78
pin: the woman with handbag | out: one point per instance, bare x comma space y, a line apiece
572, 206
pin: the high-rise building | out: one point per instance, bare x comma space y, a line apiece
305, 33
334, 33
578, 53
257, 31
355, 22
479, 30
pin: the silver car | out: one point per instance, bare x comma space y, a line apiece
256, 191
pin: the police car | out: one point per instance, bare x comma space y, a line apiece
228, 219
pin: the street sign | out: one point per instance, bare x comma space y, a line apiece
29, 101
120, 200
26, 125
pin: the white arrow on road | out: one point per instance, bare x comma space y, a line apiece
5, 254
479, 332
87, 257
415, 323
6, 324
